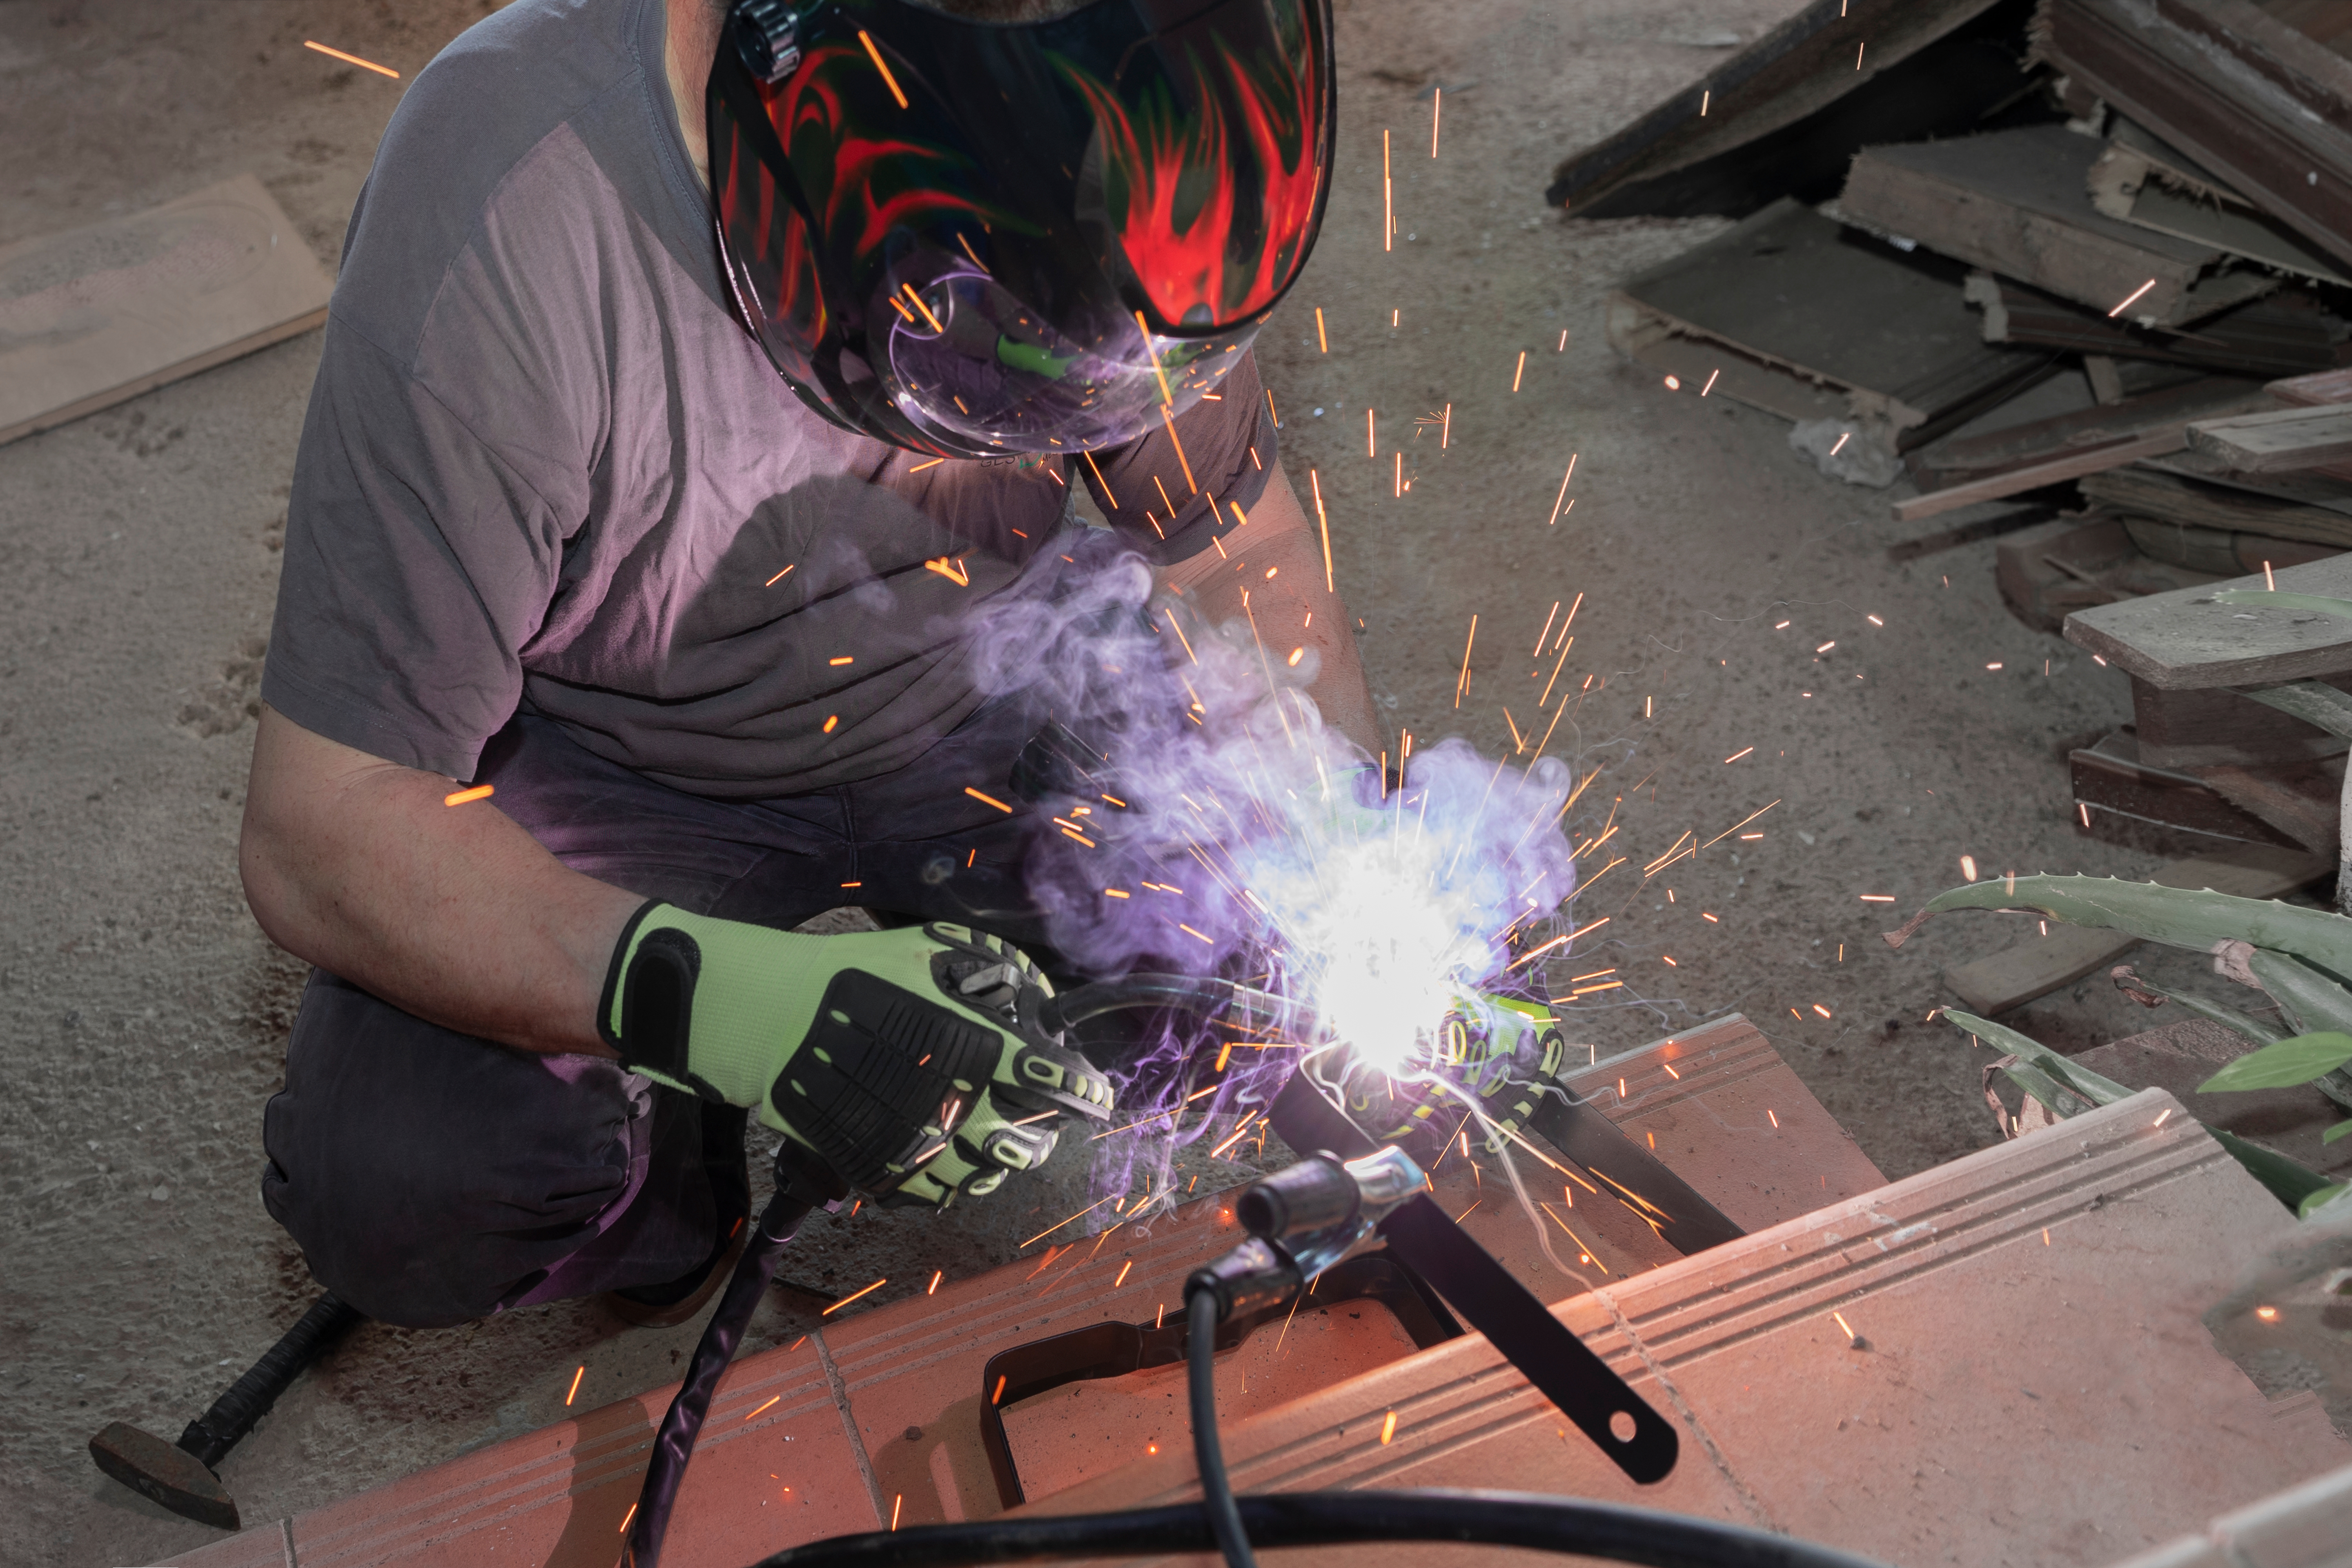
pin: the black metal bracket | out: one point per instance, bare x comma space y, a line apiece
1115, 1349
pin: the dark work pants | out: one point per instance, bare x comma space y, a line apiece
431, 1177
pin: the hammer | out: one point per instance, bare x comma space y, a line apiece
179, 1475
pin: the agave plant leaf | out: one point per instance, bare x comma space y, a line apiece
2319, 603
2288, 1181
2048, 1065
2313, 701
2178, 916
2292, 1184
2341, 1130
2063, 1102
2309, 1000
2284, 1065
2319, 1198
2253, 1028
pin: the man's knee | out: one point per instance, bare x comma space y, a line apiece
430, 1177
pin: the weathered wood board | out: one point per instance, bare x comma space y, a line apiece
2281, 441
2017, 203
1807, 305
2266, 108
94, 316
2185, 639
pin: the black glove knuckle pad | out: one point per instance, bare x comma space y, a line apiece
879, 1065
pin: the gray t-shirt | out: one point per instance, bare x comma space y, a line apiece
544, 465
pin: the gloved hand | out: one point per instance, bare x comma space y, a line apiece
911, 1061
1510, 1053
1504, 1053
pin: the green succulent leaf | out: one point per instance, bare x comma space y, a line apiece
2284, 1065
2313, 701
2319, 603
2046, 1064
2310, 1001
2341, 1130
2319, 1199
2253, 1028
2290, 1183
2196, 919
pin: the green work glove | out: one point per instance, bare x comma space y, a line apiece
1503, 1052
911, 1061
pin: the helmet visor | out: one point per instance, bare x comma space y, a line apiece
981, 238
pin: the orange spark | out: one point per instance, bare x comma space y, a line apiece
459, 797
888, 79
852, 1295
353, 59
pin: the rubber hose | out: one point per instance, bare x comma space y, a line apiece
1208, 1455
1611, 1532
1197, 993
674, 1443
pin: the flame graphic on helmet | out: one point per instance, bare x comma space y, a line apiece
1193, 248
860, 187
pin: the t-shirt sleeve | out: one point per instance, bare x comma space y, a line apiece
1172, 491
418, 561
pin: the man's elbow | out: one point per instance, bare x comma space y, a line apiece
265, 864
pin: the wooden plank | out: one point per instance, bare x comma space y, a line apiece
2217, 553
2114, 786
2302, 801
2212, 726
2142, 179
2047, 572
2050, 471
2089, 429
2183, 640
2197, 501
2287, 440
2239, 232
2016, 975
1735, 138
97, 315
2017, 203
2284, 333
2260, 105
2310, 391
1793, 291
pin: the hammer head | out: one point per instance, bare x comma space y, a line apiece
170, 1475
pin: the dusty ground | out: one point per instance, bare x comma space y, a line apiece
143, 1015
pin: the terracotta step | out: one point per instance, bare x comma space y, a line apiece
2029, 1379
1725, 1111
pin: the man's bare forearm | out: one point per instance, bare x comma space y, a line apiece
1276, 557
453, 913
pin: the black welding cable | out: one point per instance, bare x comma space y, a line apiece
1199, 994
674, 1443
1208, 1453
1611, 1532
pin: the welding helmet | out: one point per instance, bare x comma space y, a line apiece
976, 240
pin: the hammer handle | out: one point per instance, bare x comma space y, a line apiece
211, 1435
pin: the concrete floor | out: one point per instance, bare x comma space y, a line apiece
142, 1013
